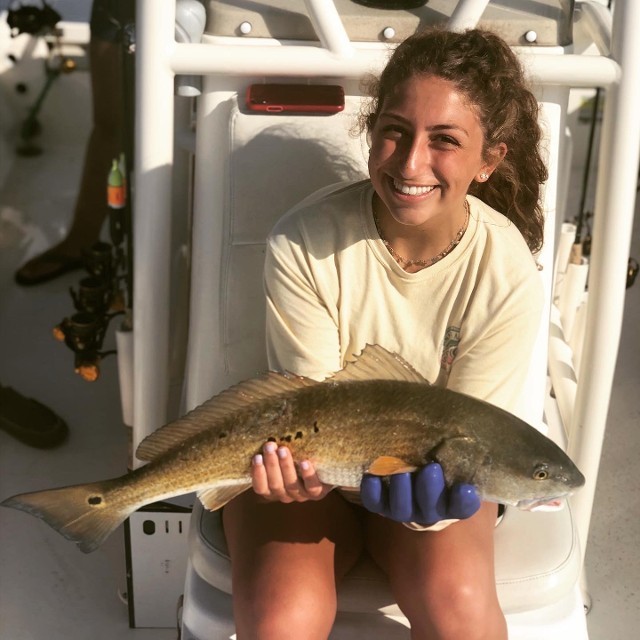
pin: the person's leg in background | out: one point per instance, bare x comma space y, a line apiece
105, 143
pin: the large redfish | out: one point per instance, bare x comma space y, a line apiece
377, 415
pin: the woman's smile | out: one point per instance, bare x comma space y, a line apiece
412, 189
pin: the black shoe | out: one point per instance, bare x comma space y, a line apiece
47, 266
30, 421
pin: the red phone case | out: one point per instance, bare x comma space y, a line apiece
295, 98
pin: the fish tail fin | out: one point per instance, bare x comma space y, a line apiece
81, 513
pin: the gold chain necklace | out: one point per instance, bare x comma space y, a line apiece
405, 263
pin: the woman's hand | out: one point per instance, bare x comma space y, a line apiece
275, 477
420, 497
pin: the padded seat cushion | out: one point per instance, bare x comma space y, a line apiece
537, 562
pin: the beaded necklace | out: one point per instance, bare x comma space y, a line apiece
405, 263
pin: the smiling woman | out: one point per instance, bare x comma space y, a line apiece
412, 261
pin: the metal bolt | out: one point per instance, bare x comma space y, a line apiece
245, 28
531, 36
388, 33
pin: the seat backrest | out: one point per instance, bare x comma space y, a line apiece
272, 162
275, 162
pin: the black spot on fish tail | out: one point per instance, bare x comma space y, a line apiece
316, 429
271, 439
286, 438
81, 513
298, 435
222, 434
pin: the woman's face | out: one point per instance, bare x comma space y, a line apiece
426, 148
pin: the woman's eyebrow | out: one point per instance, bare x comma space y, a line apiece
436, 127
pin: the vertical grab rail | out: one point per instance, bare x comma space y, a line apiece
152, 218
613, 219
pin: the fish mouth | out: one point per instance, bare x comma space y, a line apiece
546, 504
406, 189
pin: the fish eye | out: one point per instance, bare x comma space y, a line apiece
541, 472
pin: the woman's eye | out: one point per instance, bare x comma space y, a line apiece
446, 141
393, 132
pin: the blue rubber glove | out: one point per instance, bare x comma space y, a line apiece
420, 497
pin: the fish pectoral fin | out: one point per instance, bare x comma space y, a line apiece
216, 497
389, 465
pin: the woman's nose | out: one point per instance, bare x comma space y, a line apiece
415, 158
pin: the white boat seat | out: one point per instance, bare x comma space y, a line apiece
537, 562
537, 554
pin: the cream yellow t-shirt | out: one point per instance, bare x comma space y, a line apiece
468, 322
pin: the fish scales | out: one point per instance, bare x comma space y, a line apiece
339, 424
377, 415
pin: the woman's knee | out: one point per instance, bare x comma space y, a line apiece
453, 609
264, 617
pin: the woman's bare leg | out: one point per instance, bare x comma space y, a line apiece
286, 561
444, 581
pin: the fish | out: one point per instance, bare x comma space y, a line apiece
377, 415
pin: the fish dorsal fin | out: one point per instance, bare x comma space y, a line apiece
376, 363
210, 414
216, 497
389, 465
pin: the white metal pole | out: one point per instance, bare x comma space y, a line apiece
466, 14
561, 370
329, 27
613, 218
595, 19
152, 219
260, 58
573, 286
238, 60
566, 240
570, 70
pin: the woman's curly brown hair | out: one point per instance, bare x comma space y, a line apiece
485, 69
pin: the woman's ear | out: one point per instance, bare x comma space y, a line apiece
494, 157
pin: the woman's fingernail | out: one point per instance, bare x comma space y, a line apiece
304, 465
270, 447
257, 460
282, 453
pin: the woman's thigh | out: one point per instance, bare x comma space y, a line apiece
286, 560
444, 581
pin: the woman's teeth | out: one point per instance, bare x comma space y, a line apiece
411, 190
